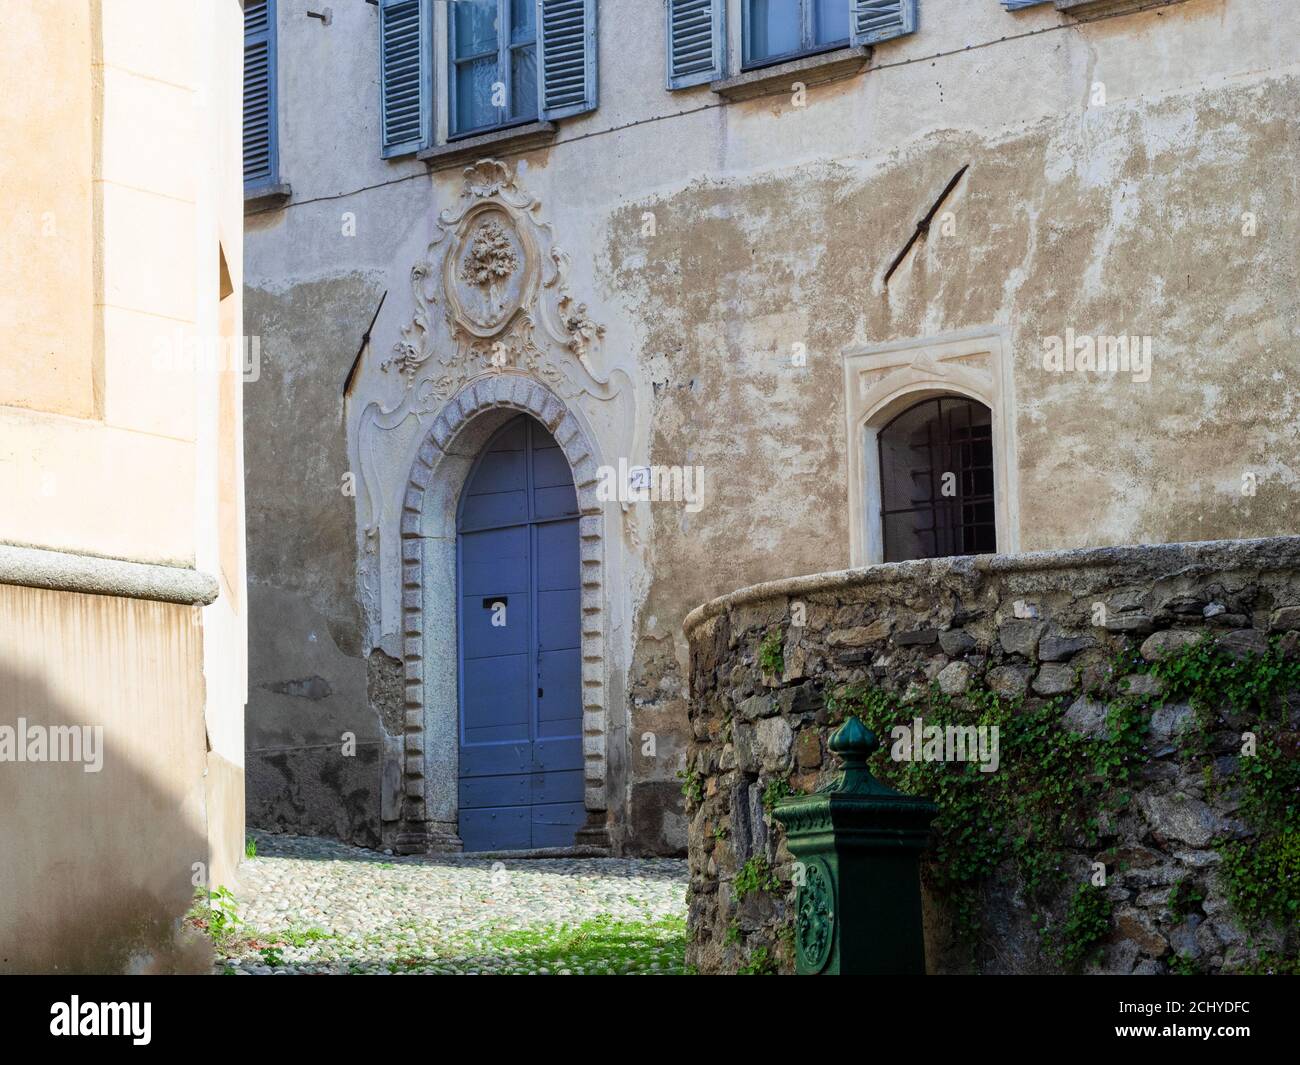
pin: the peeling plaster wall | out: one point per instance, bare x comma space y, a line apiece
774, 224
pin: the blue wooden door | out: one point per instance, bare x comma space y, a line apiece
519, 645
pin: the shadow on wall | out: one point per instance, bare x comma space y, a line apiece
316, 791
98, 866
309, 704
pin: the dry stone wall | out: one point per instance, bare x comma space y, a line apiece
1117, 834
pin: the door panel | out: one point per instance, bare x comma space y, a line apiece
559, 707
521, 769
551, 468
557, 546
506, 828
561, 629
554, 502
555, 825
490, 760
484, 791
496, 699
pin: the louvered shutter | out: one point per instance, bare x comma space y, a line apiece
696, 41
405, 75
871, 21
566, 57
259, 93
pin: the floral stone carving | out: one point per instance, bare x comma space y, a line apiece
491, 296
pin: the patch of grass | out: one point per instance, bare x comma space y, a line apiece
216, 913
602, 944
300, 937
250, 847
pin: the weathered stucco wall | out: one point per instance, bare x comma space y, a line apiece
1123, 178
120, 289
1119, 801
101, 861
307, 668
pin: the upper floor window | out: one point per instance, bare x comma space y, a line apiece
504, 63
492, 63
782, 29
699, 44
261, 154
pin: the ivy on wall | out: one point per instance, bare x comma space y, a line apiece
1055, 791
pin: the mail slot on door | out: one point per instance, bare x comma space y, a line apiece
492, 601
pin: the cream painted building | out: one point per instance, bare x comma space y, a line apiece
122, 578
900, 277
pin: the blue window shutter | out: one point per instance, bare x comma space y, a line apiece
1016, 5
871, 21
405, 76
260, 140
696, 41
566, 57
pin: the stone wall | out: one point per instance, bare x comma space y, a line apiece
1081, 643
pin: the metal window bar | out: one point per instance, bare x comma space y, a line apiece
950, 440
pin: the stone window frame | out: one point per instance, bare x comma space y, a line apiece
430, 771
882, 380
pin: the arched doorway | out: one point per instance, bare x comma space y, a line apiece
937, 480
519, 640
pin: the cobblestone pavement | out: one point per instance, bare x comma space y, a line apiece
316, 906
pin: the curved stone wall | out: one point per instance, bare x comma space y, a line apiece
1074, 641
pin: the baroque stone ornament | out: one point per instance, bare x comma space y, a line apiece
490, 273
815, 930
490, 296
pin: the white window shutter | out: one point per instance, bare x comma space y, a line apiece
566, 58
872, 21
696, 41
260, 147
405, 76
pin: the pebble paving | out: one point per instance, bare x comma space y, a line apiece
313, 906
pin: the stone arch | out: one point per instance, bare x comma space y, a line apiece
428, 547
880, 381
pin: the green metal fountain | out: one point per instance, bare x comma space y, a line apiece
858, 844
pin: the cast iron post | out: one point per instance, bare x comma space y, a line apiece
860, 843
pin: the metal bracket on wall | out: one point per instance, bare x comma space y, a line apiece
365, 339
923, 226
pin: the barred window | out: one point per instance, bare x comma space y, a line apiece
936, 477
